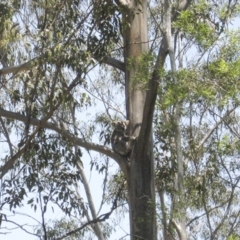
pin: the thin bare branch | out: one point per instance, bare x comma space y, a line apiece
210, 132
21, 226
101, 218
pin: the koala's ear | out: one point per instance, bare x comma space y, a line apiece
114, 124
127, 121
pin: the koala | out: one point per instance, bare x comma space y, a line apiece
122, 143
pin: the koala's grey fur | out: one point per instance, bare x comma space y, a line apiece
122, 143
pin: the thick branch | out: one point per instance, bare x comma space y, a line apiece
152, 94
28, 65
9, 164
77, 141
19, 68
114, 63
154, 81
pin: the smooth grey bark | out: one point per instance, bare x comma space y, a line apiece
114, 63
178, 206
140, 104
140, 176
19, 68
96, 226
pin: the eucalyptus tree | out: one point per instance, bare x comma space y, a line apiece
175, 64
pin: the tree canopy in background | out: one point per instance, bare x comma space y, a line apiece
69, 69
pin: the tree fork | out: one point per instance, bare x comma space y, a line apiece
141, 172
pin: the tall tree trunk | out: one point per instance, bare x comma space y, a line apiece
178, 209
141, 172
179, 201
140, 101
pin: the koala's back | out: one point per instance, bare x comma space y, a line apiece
121, 142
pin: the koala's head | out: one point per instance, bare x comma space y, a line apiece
120, 126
